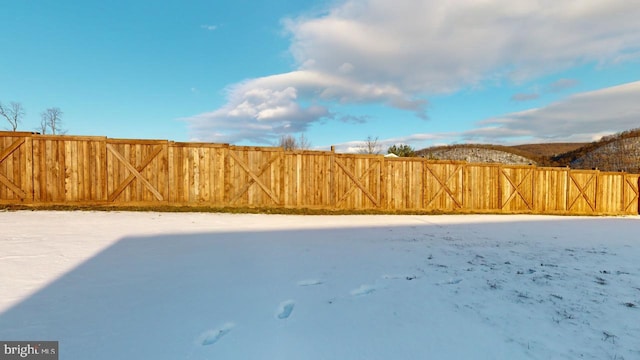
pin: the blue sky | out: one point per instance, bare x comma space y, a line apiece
419, 72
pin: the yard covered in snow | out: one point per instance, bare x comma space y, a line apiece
110, 285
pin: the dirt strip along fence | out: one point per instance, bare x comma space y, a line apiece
75, 170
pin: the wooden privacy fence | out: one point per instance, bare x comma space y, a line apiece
52, 170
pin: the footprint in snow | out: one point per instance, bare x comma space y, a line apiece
399, 277
363, 290
285, 309
310, 282
210, 337
450, 282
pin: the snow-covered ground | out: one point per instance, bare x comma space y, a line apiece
120, 285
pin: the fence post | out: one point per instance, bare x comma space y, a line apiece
332, 178
382, 184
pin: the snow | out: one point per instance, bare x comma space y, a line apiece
144, 285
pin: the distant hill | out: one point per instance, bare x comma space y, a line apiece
481, 153
619, 152
549, 149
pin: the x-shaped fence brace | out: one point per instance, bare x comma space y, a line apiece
135, 172
443, 185
516, 189
636, 193
582, 190
255, 177
357, 182
5, 180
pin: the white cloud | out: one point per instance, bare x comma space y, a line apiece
209, 27
259, 114
582, 117
398, 53
562, 84
272, 106
525, 97
436, 46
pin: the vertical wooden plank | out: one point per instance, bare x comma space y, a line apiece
172, 195
28, 174
140, 194
51, 170
65, 147
51, 155
39, 160
218, 175
93, 169
87, 179
102, 169
298, 180
163, 183
75, 171
206, 178
111, 172
332, 178
190, 174
227, 177
3, 168
59, 174
10, 170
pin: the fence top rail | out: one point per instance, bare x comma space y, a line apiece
16, 133
361, 156
198, 144
424, 160
137, 141
612, 172
255, 148
308, 152
68, 137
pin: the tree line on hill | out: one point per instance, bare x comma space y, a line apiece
617, 152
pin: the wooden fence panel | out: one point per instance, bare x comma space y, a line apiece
517, 189
582, 192
631, 198
197, 173
69, 169
610, 193
550, 190
403, 184
307, 179
254, 176
444, 186
482, 191
138, 171
357, 181
16, 178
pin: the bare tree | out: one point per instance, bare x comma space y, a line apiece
370, 146
52, 117
42, 129
289, 143
14, 114
303, 142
